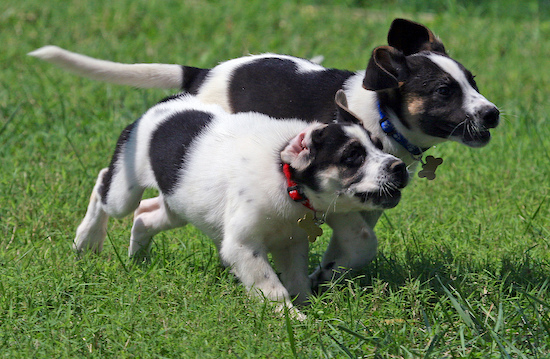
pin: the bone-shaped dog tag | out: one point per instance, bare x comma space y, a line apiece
429, 167
309, 224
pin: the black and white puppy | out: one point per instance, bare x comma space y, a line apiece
229, 175
412, 96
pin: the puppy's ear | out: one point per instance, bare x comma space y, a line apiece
344, 114
411, 37
387, 69
296, 152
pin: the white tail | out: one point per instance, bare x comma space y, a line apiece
138, 75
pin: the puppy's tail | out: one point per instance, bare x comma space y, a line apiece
137, 75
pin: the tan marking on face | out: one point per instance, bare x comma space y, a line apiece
415, 105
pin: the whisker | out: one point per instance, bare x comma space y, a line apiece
457, 126
332, 204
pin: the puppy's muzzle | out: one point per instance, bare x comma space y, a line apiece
394, 180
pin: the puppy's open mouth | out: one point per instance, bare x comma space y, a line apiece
467, 132
478, 138
384, 198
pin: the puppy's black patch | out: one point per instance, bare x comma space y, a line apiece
274, 86
169, 145
193, 78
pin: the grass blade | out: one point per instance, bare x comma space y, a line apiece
342, 347
10, 118
465, 315
117, 254
290, 332
357, 335
432, 345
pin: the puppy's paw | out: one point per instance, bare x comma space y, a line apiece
89, 239
294, 313
139, 253
321, 276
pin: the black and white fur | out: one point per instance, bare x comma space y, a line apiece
223, 173
428, 96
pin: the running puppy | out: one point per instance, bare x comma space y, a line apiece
411, 96
243, 179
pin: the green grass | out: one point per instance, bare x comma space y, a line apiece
464, 262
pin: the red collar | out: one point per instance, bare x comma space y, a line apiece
294, 190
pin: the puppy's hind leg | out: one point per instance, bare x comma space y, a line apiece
148, 205
91, 232
116, 194
151, 217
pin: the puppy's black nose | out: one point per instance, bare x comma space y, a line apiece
490, 117
399, 173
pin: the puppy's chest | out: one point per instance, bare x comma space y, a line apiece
275, 232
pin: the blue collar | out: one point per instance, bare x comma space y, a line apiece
415, 151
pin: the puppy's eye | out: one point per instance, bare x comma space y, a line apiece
444, 91
354, 157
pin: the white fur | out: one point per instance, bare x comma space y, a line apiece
232, 188
354, 243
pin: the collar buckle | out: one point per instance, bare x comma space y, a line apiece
296, 193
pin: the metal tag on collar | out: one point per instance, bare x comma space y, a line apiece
429, 167
312, 225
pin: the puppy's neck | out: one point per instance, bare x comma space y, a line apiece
386, 122
295, 191
391, 102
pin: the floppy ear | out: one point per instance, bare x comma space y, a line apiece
344, 114
387, 69
411, 37
296, 153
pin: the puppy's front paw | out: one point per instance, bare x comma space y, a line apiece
292, 311
321, 276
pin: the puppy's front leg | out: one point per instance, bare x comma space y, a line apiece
243, 249
291, 260
248, 262
353, 245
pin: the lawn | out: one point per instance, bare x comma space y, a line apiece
464, 263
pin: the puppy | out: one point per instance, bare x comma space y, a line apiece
412, 96
245, 180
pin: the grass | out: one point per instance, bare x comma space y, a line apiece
464, 262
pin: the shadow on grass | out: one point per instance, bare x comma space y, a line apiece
521, 271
